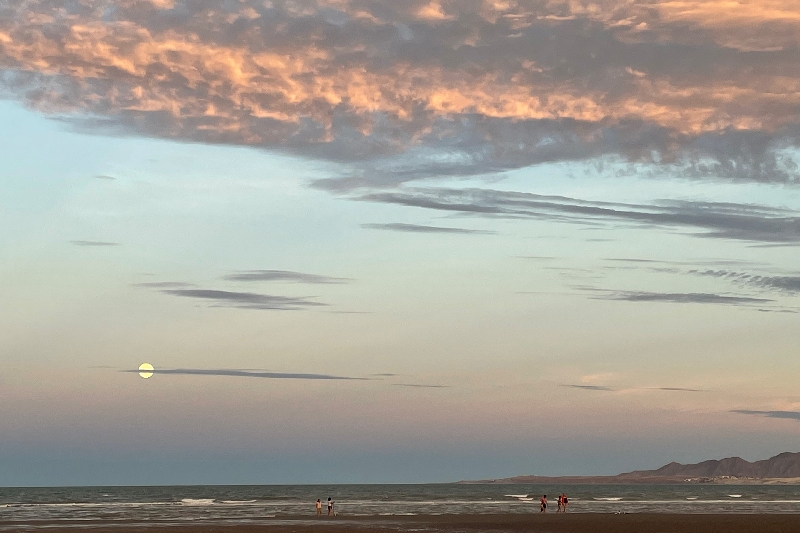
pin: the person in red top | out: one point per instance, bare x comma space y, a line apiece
543, 503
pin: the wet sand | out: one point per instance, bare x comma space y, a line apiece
534, 523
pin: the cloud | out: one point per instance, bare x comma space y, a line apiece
420, 386
163, 284
676, 389
416, 228
245, 300
283, 275
403, 90
684, 298
789, 415
601, 388
748, 222
778, 283
104, 177
94, 243
247, 374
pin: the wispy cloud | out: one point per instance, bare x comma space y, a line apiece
245, 300
600, 388
788, 415
604, 388
248, 374
676, 389
420, 386
787, 284
283, 275
94, 243
749, 222
405, 90
679, 297
104, 177
417, 228
163, 284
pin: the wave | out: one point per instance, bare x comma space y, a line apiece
237, 502
516, 495
607, 499
735, 495
197, 501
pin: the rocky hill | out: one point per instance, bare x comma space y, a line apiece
784, 466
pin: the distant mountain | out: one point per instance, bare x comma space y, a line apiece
784, 466
781, 466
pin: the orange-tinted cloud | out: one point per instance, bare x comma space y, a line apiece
490, 84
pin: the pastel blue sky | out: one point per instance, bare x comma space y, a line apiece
530, 268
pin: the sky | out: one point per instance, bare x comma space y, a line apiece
395, 241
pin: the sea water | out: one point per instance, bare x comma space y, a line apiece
88, 506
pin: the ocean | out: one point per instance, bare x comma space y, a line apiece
90, 506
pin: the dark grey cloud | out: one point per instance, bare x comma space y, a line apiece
94, 243
245, 300
786, 284
600, 388
247, 374
401, 93
748, 222
685, 298
417, 228
283, 275
788, 415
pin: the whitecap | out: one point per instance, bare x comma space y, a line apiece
735, 495
198, 501
607, 499
516, 495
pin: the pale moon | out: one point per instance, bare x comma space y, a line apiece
146, 370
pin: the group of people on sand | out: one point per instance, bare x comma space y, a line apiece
563, 501
330, 507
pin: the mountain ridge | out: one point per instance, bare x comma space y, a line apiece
783, 467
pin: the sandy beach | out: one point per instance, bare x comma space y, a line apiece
549, 523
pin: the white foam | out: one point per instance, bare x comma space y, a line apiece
735, 495
607, 499
198, 501
516, 495
237, 502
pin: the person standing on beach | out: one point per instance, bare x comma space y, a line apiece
560, 496
543, 503
319, 507
564, 502
330, 507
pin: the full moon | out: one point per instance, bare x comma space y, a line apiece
146, 370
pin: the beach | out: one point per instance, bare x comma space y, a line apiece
548, 523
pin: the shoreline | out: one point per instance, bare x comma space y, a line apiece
455, 523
